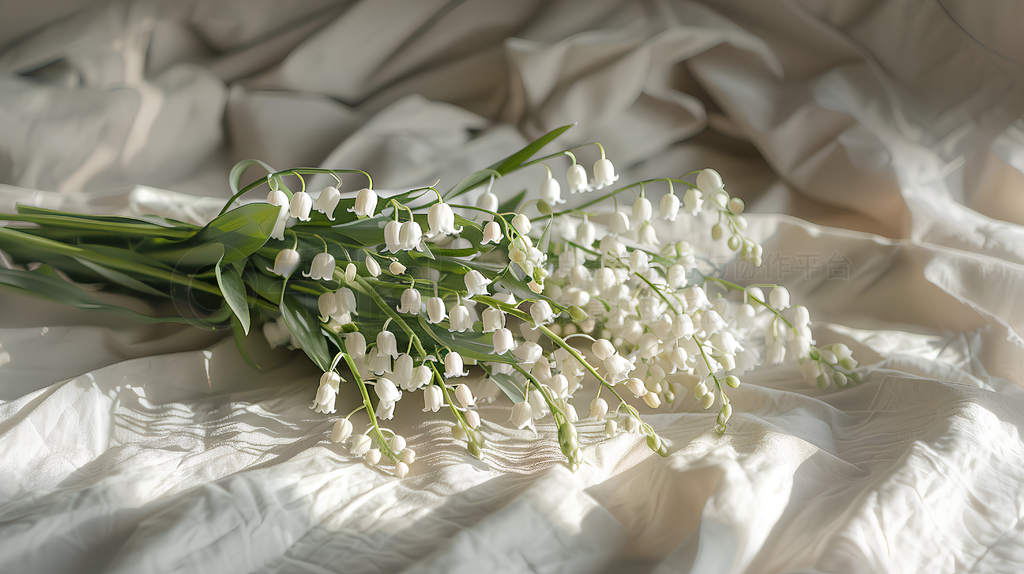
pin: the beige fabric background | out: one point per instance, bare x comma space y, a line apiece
889, 133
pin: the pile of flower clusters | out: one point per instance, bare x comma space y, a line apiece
400, 295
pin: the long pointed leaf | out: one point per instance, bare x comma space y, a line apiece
231, 285
306, 330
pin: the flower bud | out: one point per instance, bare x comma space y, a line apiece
733, 381
286, 262
401, 470
637, 387
373, 456
577, 314
736, 206
465, 395
360, 445
435, 310
603, 349
528, 353
522, 223
541, 312
487, 201
598, 408
700, 390
652, 400
432, 398
717, 231
709, 181
341, 431
350, 273
707, 401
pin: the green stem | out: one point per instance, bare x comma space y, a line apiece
367, 290
383, 444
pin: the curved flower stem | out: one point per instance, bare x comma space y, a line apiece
736, 287
658, 291
620, 190
556, 411
381, 442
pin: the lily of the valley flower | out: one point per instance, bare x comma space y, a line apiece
285, 263
551, 192
476, 283
432, 398
453, 365
577, 179
493, 319
441, 219
522, 223
642, 210
327, 393
465, 395
586, 233
709, 181
300, 205
604, 173
279, 199
693, 200
360, 445
502, 340
669, 207
410, 236
372, 267
322, 268
341, 431
522, 414
355, 344
410, 302
435, 310
366, 203
460, 319
386, 391
541, 313
392, 236
487, 201
619, 223
598, 408
779, 298
386, 344
328, 201
396, 268
492, 232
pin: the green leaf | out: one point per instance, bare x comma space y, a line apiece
242, 230
148, 219
509, 386
476, 346
512, 204
506, 165
231, 285
46, 285
122, 279
306, 330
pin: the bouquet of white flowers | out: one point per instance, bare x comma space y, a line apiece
400, 294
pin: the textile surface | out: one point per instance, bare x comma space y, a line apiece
879, 147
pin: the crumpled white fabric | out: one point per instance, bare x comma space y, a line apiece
893, 131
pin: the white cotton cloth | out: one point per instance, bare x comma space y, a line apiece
888, 135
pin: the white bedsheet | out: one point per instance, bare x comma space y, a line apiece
128, 448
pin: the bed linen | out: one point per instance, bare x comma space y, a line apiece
888, 135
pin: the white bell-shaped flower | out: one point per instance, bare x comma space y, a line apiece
366, 203
327, 202
410, 235
279, 199
639, 261
669, 207
392, 236
502, 340
300, 206
551, 192
619, 223
538, 404
492, 233
522, 414
435, 310
541, 312
586, 233
604, 173
712, 322
693, 200
603, 349
779, 298
461, 319
421, 376
598, 408
396, 268
493, 319
286, 262
476, 283
386, 391
522, 223
441, 220
372, 267
453, 366
528, 353
696, 299
559, 384
487, 201
465, 395
676, 277
642, 209
322, 268
341, 431
432, 398
401, 374
386, 344
618, 367
577, 179
410, 302
344, 302
355, 345
327, 393
709, 181
326, 305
